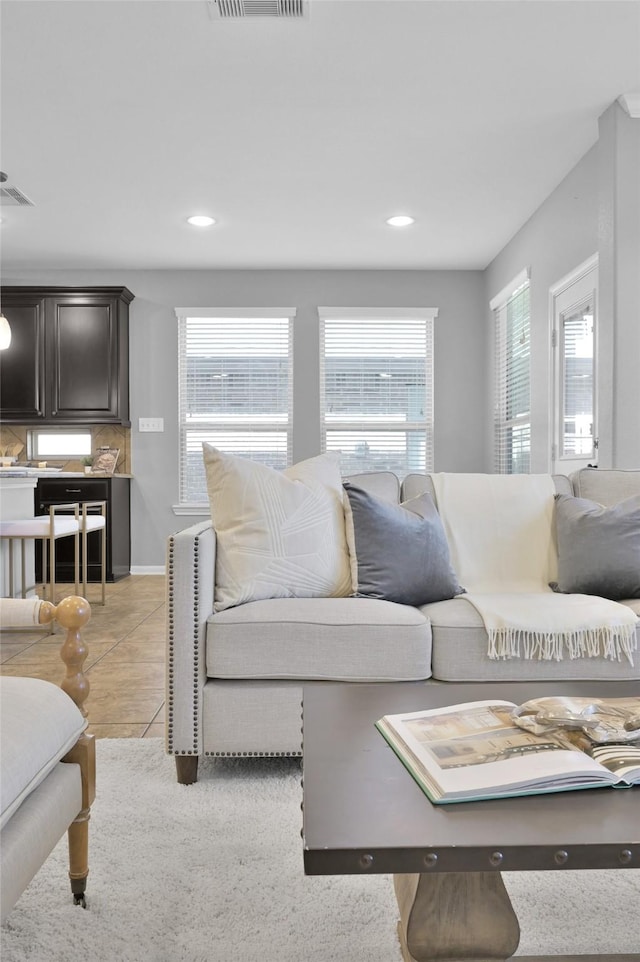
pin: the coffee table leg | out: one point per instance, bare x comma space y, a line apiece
455, 916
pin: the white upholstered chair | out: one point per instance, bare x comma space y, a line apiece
47, 760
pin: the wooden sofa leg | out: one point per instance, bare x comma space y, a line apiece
187, 769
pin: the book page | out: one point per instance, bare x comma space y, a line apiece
622, 760
478, 736
476, 750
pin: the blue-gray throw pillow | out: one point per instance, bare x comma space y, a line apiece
401, 550
598, 547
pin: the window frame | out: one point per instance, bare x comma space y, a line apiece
565, 296
377, 314
183, 314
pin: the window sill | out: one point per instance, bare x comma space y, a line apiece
194, 510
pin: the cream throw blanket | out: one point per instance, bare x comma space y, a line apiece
501, 535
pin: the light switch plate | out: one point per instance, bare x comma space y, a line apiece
151, 424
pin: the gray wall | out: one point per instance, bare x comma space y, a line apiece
595, 209
557, 238
619, 293
460, 375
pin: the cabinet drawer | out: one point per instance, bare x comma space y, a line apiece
72, 490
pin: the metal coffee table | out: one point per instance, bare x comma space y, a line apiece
363, 813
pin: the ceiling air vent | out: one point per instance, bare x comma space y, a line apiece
245, 9
12, 197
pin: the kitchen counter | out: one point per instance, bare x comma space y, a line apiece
24, 472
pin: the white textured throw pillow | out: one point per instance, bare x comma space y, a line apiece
279, 534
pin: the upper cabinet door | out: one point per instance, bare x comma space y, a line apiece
82, 332
68, 362
22, 383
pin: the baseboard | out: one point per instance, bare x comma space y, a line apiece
148, 570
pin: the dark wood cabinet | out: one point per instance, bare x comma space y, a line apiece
68, 362
115, 491
22, 364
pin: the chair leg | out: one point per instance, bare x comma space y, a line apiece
103, 564
52, 570
11, 576
84, 754
85, 562
76, 565
23, 568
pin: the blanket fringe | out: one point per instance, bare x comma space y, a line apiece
611, 642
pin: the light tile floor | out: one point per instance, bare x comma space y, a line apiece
125, 663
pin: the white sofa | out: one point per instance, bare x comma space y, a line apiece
234, 678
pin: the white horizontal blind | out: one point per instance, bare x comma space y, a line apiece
578, 377
376, 385
512, 423
235, 389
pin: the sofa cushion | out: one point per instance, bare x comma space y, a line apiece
459, 652
604, 486
401, 550
337, 639
382, 484
39, 725
279, 534
598, 547
415, 484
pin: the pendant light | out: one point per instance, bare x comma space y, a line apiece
5, 333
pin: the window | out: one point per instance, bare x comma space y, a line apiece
234, 389
376, 383
574, 320
55, 443
577, 383
512, 424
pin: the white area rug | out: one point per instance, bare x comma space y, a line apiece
213, 872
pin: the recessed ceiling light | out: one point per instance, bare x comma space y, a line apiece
401, 220
200, 220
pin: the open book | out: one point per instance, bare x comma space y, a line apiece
478, 750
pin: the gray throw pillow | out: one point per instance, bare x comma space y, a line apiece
598, 547
401, 550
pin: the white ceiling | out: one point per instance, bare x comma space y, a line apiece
122, 117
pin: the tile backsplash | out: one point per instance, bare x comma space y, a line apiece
102, 435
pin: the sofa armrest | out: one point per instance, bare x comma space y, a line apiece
190, 587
